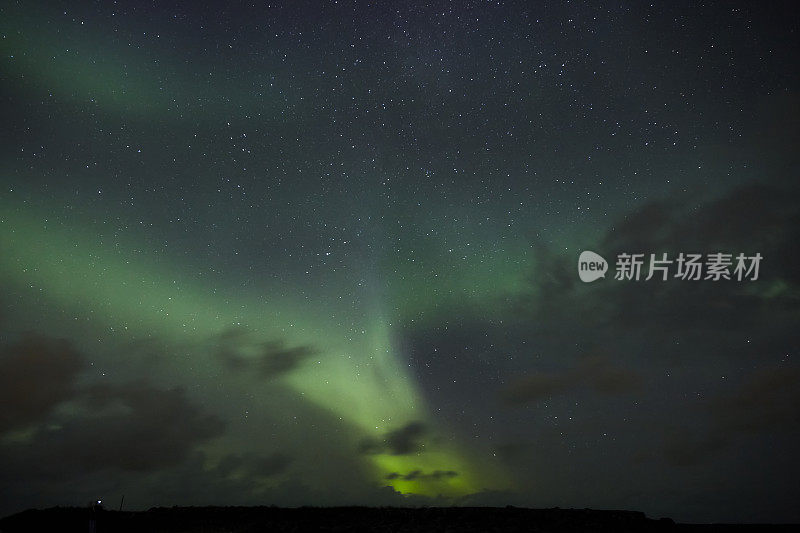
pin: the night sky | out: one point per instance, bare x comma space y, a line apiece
326, 253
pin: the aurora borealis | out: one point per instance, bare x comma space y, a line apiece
324, 253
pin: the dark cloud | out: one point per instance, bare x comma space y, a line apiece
769, 399
753, 218
495, 498
420, 475
401, 441
251, 465
595, 373
766, 403
151, 351
276, 359
146, 427
649, 225
77, 428
239, 351
228, 345
36, 374
405, 440
134, 427
270, 465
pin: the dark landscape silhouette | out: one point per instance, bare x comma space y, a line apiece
280, 519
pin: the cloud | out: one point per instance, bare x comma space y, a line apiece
754, 217
420, 475
401, 441
650, 225
134, 427
595, 373
276, 359
36, 374
239, 352
146, 428
72, 427
270, 465
767, 402
229, 344
252, 465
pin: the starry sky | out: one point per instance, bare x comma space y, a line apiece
326, 253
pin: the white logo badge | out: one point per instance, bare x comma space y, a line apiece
591, 266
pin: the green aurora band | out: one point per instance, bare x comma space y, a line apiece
132, 296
